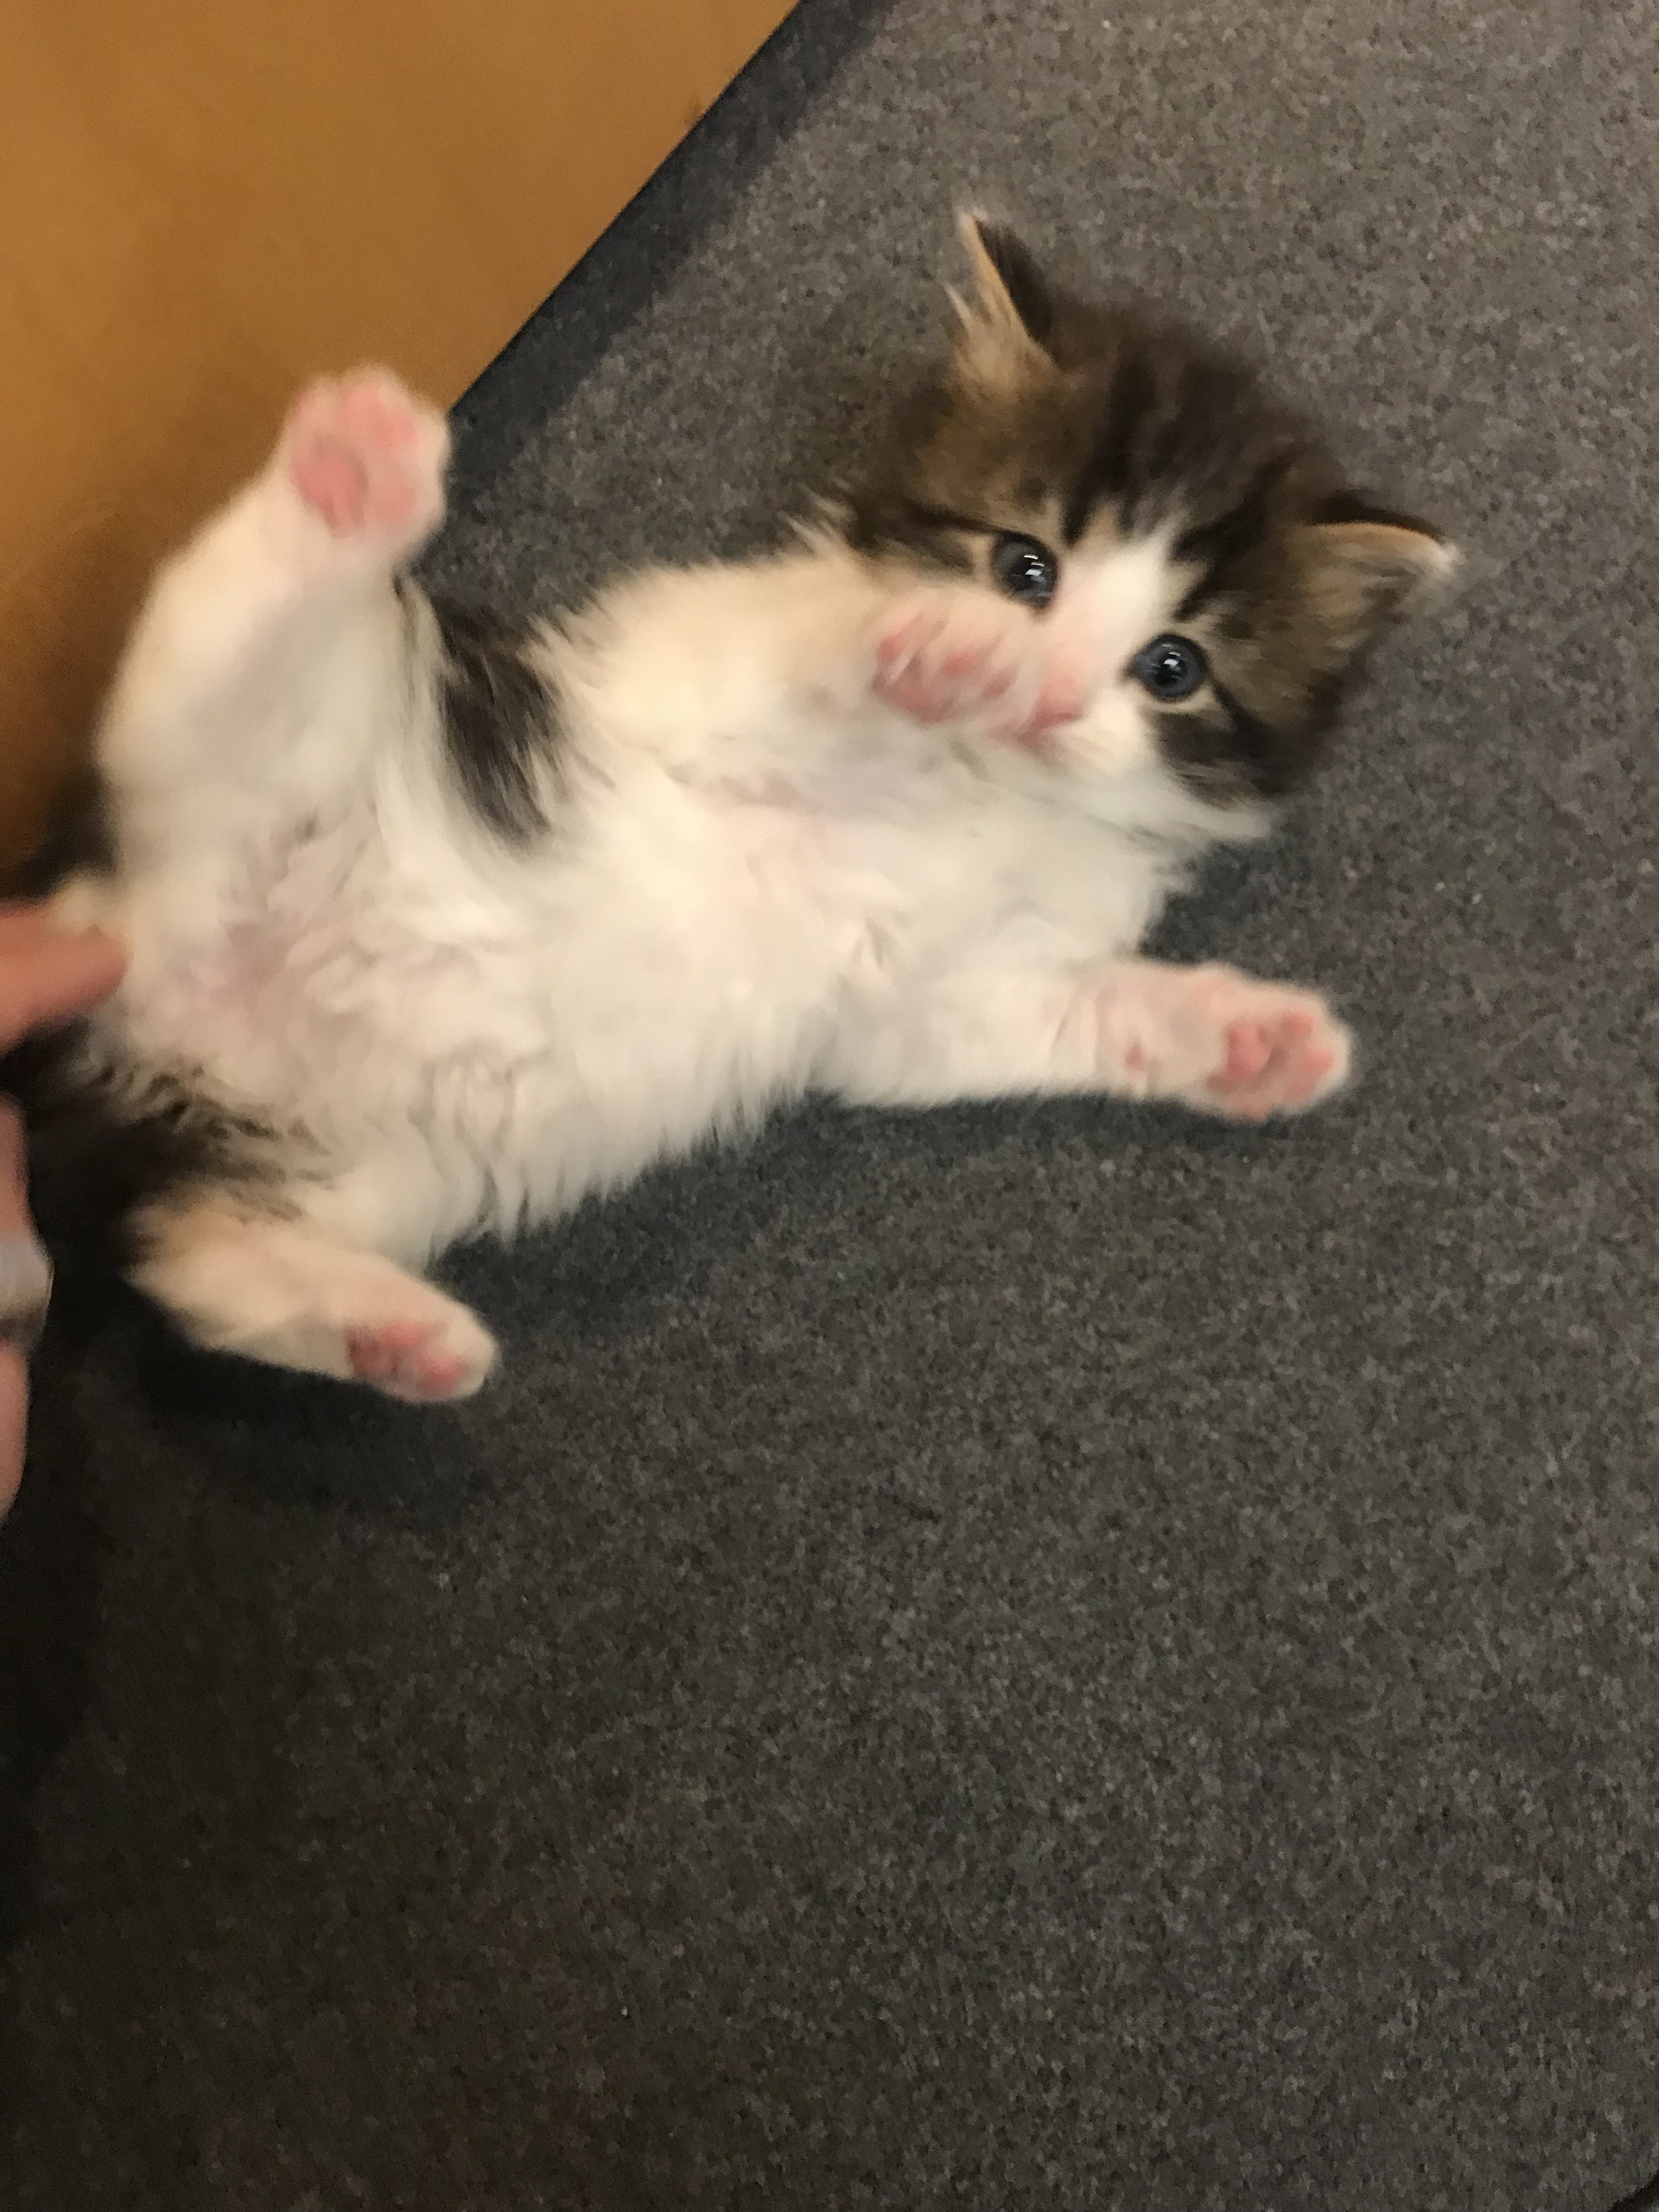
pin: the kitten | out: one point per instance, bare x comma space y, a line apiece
437, 924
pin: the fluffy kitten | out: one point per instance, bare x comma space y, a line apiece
437, 925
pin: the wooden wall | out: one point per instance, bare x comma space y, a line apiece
206, 201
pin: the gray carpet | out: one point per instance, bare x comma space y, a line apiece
1048, 1658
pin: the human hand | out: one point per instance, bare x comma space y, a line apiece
46, 974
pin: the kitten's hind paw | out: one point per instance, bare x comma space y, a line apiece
272, 1290
426, 1361
366, 458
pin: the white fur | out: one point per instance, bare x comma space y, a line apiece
759, 879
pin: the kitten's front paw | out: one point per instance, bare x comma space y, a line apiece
967, 657
366, 458
1223, 1042
1278, 1049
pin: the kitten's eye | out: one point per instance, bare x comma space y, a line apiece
1023, 568
1171, 668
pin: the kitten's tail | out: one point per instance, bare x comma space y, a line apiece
109, 1140
109, 1145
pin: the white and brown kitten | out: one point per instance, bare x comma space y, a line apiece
437, 925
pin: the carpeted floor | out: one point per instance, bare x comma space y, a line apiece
1038, 1658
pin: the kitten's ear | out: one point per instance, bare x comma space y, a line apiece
1008, 319
1008, 285
1367, 568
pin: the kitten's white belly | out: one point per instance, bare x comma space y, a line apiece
467, 1048
458, 1062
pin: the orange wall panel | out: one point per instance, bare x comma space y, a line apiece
205, 201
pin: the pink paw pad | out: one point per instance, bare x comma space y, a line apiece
408, 1360
932, 664
366, 457
958, 659
1273, 1062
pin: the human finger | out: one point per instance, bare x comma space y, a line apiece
48, 975
14, 1421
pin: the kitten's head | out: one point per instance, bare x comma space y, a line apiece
1188, 541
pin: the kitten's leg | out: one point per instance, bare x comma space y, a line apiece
731, 658
1210, 1037
277, 1292
246, 616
